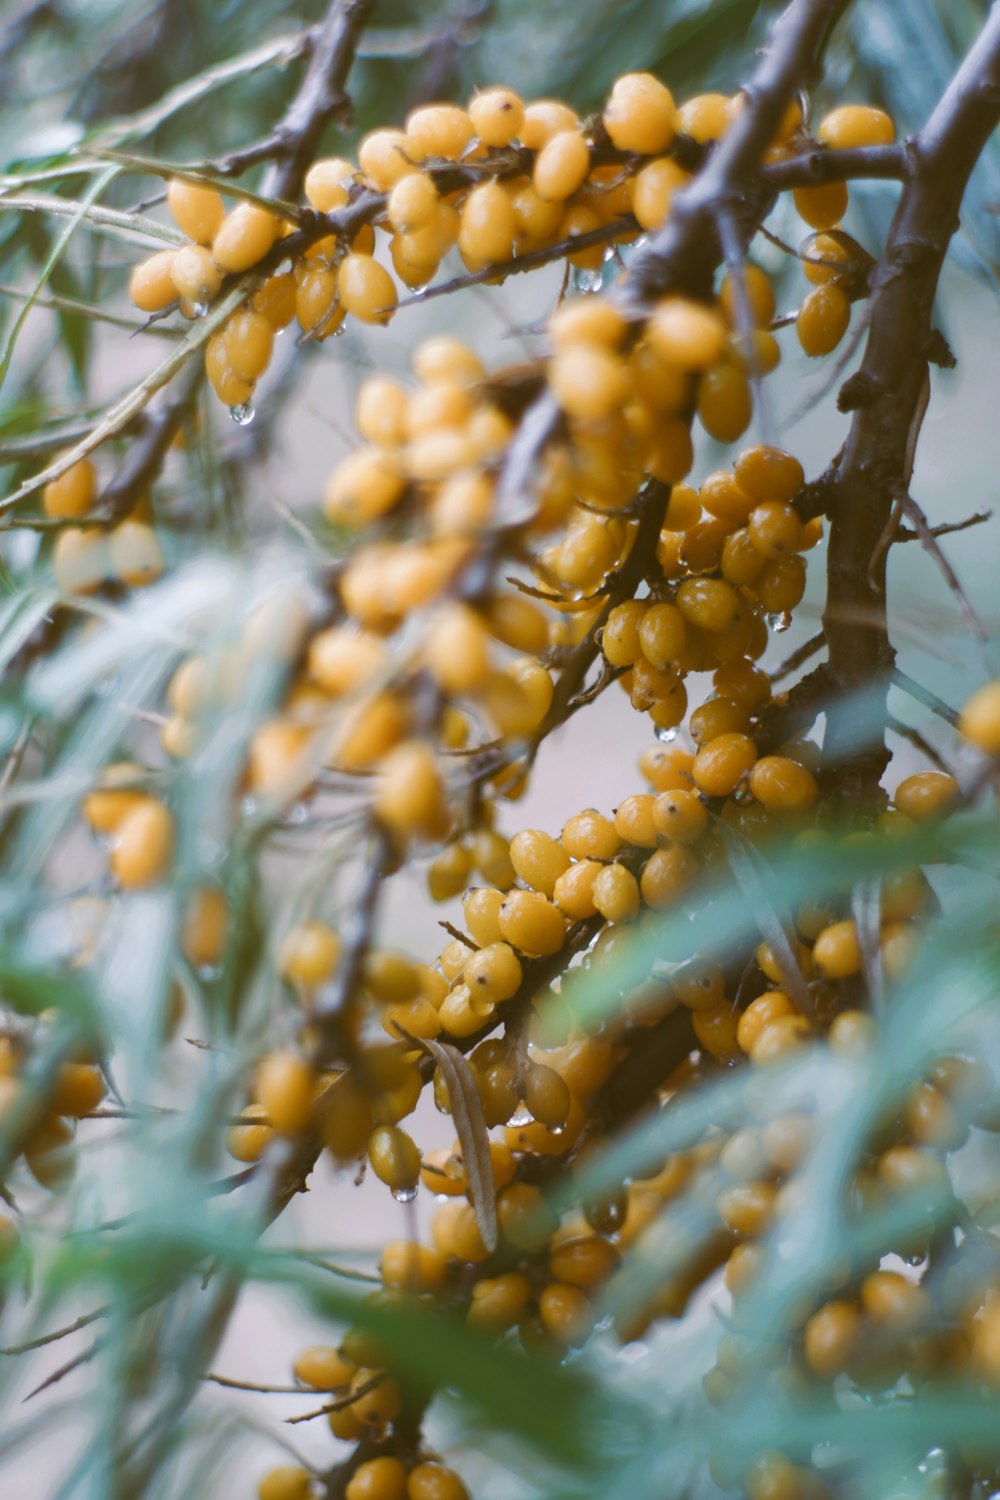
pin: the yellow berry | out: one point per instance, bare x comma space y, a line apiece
365, 486
721, 765
195, 274
853, 125
196, 208
836, 951
290, 1482
366, 289
782, 785
822, 319
151, 285
488, 226
529, 922
377, 1479
408, 795
72, 493
687, 334
244, 237
439, 130
285, 1085
561, 166
640, 114
822, 206
979, 721
926, 795
327, 183
144, 846
497, 115
615, 894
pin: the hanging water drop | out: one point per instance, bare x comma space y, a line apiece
200, 309
243, 414
521, 1116
779, 623
405, 1194
586, 280
665, 736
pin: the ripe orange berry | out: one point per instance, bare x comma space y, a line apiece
195, 274
590, 835
706, 117
831, 1337
377, 1479
836, 951
443, 130
759, 1015
285, 1085
721, 765
72, 493
822, 319
725, 402
781, 583
561, 166
757, 291
666, 876
499, 1302
151, 285
488, 225
327, 182
78, 1089
289, 1482
408, 795
531, 923
640, 114
774, 529
244, 237
144, 845
589, 384
687, 334
566, 1313
432, 1481
497, 115
823, 206
766, 473
538, 859
979, 721
205, 926
367, 485
196, 208
394, 1158
782, 785
680, 816
615, 894
709, 603
366, 289
316, 305
926, 795
853, 125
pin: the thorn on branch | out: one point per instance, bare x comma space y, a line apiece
938, 351
858, 391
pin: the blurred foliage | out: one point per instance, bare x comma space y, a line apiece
149, 1227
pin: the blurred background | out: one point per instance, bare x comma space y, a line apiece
73, 73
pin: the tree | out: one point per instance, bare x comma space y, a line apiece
721, 1059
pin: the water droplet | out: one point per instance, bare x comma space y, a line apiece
243, 414
248, 806
779, 623
338, 332
557, 1129
442, 1109
742, 793
521, 1116
586, 280
297, 813
200, 309
665, 736
405, 1194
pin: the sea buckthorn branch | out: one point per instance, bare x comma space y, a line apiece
319, 98
872, 468
675, 254
824, 164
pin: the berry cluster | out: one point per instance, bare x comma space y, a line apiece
428, 684
502, 180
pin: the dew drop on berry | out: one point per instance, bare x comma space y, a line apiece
742, 793
243, 414
521, 1116
200, 309
405, 1194
779, 623
665, 736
